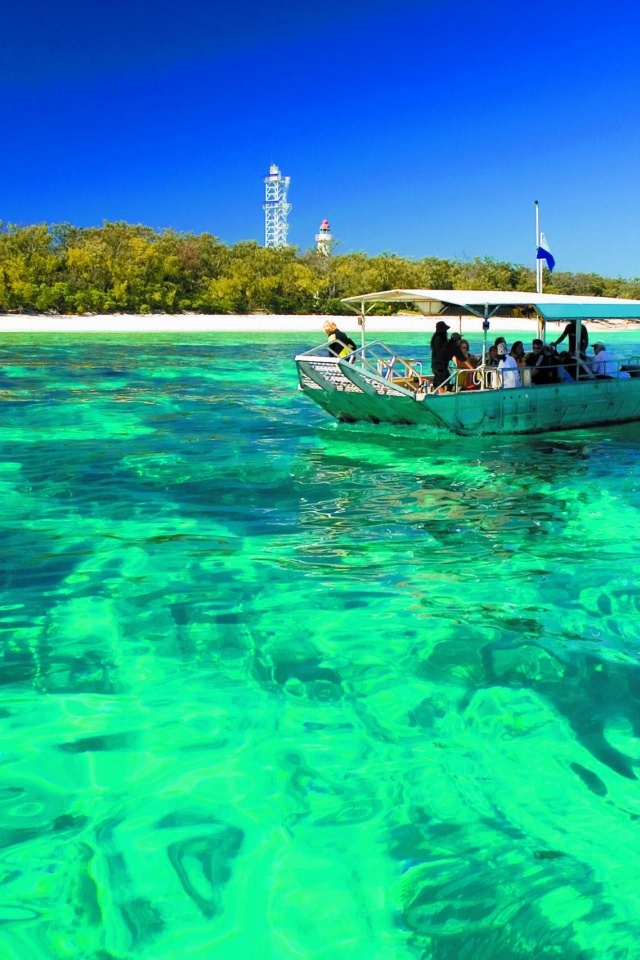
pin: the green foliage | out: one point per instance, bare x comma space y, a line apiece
126, 268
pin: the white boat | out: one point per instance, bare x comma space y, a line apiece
378, 385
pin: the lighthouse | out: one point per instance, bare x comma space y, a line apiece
324, 240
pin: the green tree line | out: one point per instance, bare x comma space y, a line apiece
125, 268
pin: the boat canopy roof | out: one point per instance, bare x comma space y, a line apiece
491, 303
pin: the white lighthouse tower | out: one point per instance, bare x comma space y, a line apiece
276, 209
324, 240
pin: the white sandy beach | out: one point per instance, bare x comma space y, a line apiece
258, 323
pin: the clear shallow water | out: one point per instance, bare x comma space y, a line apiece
275, 687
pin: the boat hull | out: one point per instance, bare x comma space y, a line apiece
350, 396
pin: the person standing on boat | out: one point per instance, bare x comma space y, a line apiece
439, 359
443, 351
570, 332
507, 367
339, 343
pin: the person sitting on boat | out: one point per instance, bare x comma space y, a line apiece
567, 368
543, 362
490, 376
475, 358
340, 345
508, 367
443, 351
492, 358
570, 332
465, 380
531, 358
464, 346
603, 364
517, 352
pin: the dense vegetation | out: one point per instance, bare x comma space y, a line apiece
123, 268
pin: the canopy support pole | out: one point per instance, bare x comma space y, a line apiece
542, 329
538, 262
485, 329
361, 322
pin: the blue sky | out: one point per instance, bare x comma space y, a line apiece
418, 127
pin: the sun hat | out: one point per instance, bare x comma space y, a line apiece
599, 343
441, 325
455, 336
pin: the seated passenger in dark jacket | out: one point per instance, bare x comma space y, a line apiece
544, 363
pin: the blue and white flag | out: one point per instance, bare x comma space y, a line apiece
544, 253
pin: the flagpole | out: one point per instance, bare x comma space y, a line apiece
538, 261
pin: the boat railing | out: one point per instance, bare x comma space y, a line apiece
632, 366
383, 364
322, 350
479, 378
378, 363
491, 378
375, 358
614, 369
378, 359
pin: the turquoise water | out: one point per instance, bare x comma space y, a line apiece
273, 687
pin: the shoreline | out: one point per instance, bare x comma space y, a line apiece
259, 323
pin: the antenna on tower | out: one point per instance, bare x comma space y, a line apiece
276, 209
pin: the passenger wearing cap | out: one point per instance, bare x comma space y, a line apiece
604, 366
443, 351
507, 367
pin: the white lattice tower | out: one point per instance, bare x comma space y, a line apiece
324, 240
276, 208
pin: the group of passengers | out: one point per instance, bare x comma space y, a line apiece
544, 363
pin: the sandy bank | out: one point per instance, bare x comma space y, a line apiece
310, 325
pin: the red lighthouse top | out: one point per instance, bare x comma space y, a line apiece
325, 225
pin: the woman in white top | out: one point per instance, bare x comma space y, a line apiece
507, 367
